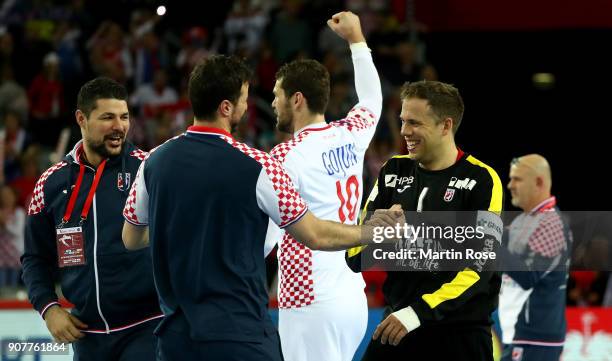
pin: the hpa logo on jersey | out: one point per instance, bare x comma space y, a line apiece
123, 181
466, 183
393, 181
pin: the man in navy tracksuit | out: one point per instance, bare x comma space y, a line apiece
73, 234
536, 261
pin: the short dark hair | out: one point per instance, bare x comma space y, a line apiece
444, 99
99, 88
213, 80
308, 77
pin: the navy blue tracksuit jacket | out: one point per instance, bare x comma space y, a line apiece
113, 289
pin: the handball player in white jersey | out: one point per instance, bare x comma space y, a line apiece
323, 309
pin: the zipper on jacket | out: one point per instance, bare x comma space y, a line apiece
527, 310
95, 222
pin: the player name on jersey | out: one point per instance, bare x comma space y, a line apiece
338, 160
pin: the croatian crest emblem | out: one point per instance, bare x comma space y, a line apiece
123, 181
450, 193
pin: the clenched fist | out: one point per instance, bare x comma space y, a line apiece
347, 25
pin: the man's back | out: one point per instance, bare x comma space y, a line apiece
325, 162
207, 231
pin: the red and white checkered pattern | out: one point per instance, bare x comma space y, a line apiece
290, 204
38, 197
138, 153
281, 150
296, 285
129, 211
358, 118
548, 239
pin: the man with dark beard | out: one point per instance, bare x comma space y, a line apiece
73, 235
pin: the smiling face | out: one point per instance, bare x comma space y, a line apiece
105, 129
423, 134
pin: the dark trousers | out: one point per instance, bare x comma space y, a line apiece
178, 346
438, 343
531, 353
133, 344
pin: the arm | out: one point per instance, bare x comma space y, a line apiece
135, 237
546, 245
39, 261
135, 231
291, 165
367, 82
277, 197
322, 235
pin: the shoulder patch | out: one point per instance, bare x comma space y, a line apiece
497, 193
280, 151
358, 118
291, 205
139, 154
37, 204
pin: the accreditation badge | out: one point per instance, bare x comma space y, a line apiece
70, 247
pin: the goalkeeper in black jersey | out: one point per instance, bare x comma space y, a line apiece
436, 315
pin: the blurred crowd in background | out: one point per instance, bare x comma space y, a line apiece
48, 49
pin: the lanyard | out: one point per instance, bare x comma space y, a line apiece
90, 196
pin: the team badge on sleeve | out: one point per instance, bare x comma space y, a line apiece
123, 181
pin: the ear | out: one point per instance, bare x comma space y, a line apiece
297, 99
225, 108
539, 182
81, 119
448, 126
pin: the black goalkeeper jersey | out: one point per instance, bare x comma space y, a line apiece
467, 296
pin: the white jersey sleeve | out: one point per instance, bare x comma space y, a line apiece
275, 233
136, 210
276, 194
363, 118
367, 82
